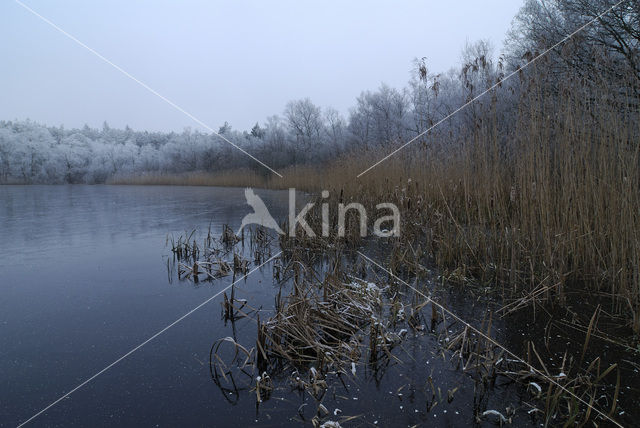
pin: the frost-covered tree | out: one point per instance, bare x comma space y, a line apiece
304, 120
380, 118
607, 49
335, 129
75, 156
605, 53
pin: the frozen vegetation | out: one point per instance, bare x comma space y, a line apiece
606, 53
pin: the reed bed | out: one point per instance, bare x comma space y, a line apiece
553, 200
318, 330
328, 322
565, 392
552, 205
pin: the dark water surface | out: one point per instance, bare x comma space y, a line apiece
83, 280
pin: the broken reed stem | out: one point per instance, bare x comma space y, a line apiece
552, 382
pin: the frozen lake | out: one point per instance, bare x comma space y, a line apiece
83, 280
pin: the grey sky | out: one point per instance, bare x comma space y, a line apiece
237, 61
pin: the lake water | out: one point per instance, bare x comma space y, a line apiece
83, 277
83, 280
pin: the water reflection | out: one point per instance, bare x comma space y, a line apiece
83, 280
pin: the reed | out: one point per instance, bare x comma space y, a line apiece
551, 201
331, 322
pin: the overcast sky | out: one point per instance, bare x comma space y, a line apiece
235, 61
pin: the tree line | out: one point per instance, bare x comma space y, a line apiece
606, 53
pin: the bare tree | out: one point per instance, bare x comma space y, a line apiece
305, 123
608, 49
380, 118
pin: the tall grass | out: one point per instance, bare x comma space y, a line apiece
553, 200
557, 203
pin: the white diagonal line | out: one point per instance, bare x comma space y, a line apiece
147, 87
490, 339
146, 341
467, 104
